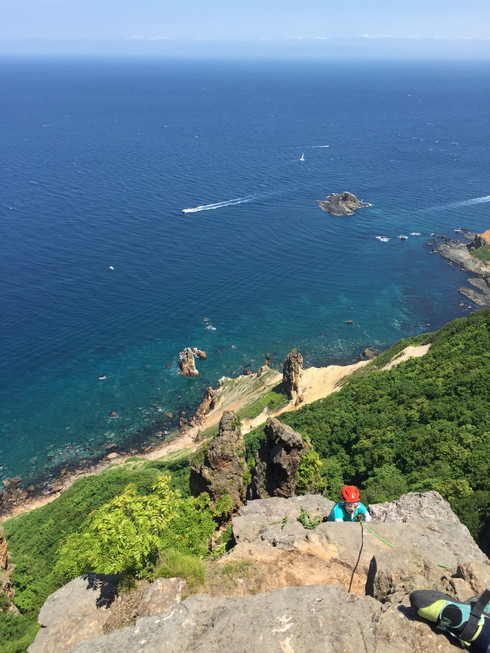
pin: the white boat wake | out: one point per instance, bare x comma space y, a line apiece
233, 202
474, 200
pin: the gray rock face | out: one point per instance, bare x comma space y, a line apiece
162, 594
323, 619
341, 204
291, 373
256, 517
417, 543
221, 470
420, 507
420, 544
277, 461
69, 616
73, 614
187, 364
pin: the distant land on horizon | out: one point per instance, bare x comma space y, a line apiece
372, 47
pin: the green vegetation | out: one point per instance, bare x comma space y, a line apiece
309, 478
422, 425
128, 533
307, 521
17, 632
34, 538
175, 564
272, 400
482, 253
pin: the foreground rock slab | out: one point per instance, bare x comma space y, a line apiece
289, 620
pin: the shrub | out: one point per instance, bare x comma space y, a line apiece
127, 533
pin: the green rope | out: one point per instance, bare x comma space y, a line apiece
376, 535
392, 545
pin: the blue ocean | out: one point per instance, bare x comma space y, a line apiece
104, 279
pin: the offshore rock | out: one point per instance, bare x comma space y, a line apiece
219, 469
199, 353
341, 204
277, 462
187, 363
292, 372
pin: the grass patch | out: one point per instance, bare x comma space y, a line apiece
174, 564
273, 400
482, 253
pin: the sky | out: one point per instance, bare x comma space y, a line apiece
141, 26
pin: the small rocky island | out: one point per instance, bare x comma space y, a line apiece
341, 204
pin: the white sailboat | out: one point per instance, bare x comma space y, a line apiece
302, 157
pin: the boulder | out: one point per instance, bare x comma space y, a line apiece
291, 374
219, 469
341, 204
293, 619
277, 461
75, 612
187, 363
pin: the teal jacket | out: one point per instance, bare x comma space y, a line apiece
339, 512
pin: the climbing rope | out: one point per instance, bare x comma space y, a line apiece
358, 558
392, 545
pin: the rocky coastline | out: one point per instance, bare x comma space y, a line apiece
185, 433
459, 252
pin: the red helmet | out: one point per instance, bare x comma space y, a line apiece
350, 494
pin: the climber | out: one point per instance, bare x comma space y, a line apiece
350, 508
468, 623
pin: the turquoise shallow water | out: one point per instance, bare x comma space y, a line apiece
101, 157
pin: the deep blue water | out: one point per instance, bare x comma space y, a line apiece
99, 158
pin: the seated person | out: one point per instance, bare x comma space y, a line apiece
350, 508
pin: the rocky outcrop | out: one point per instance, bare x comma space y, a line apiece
5, 573
78, 611
187, 364
277, 461
199, 353
3, 550
69, 616
480, 240
368, 354
219, 468
419, 544
290, 620
292, 371
341, 204
206, 405
460, 253
302, 573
